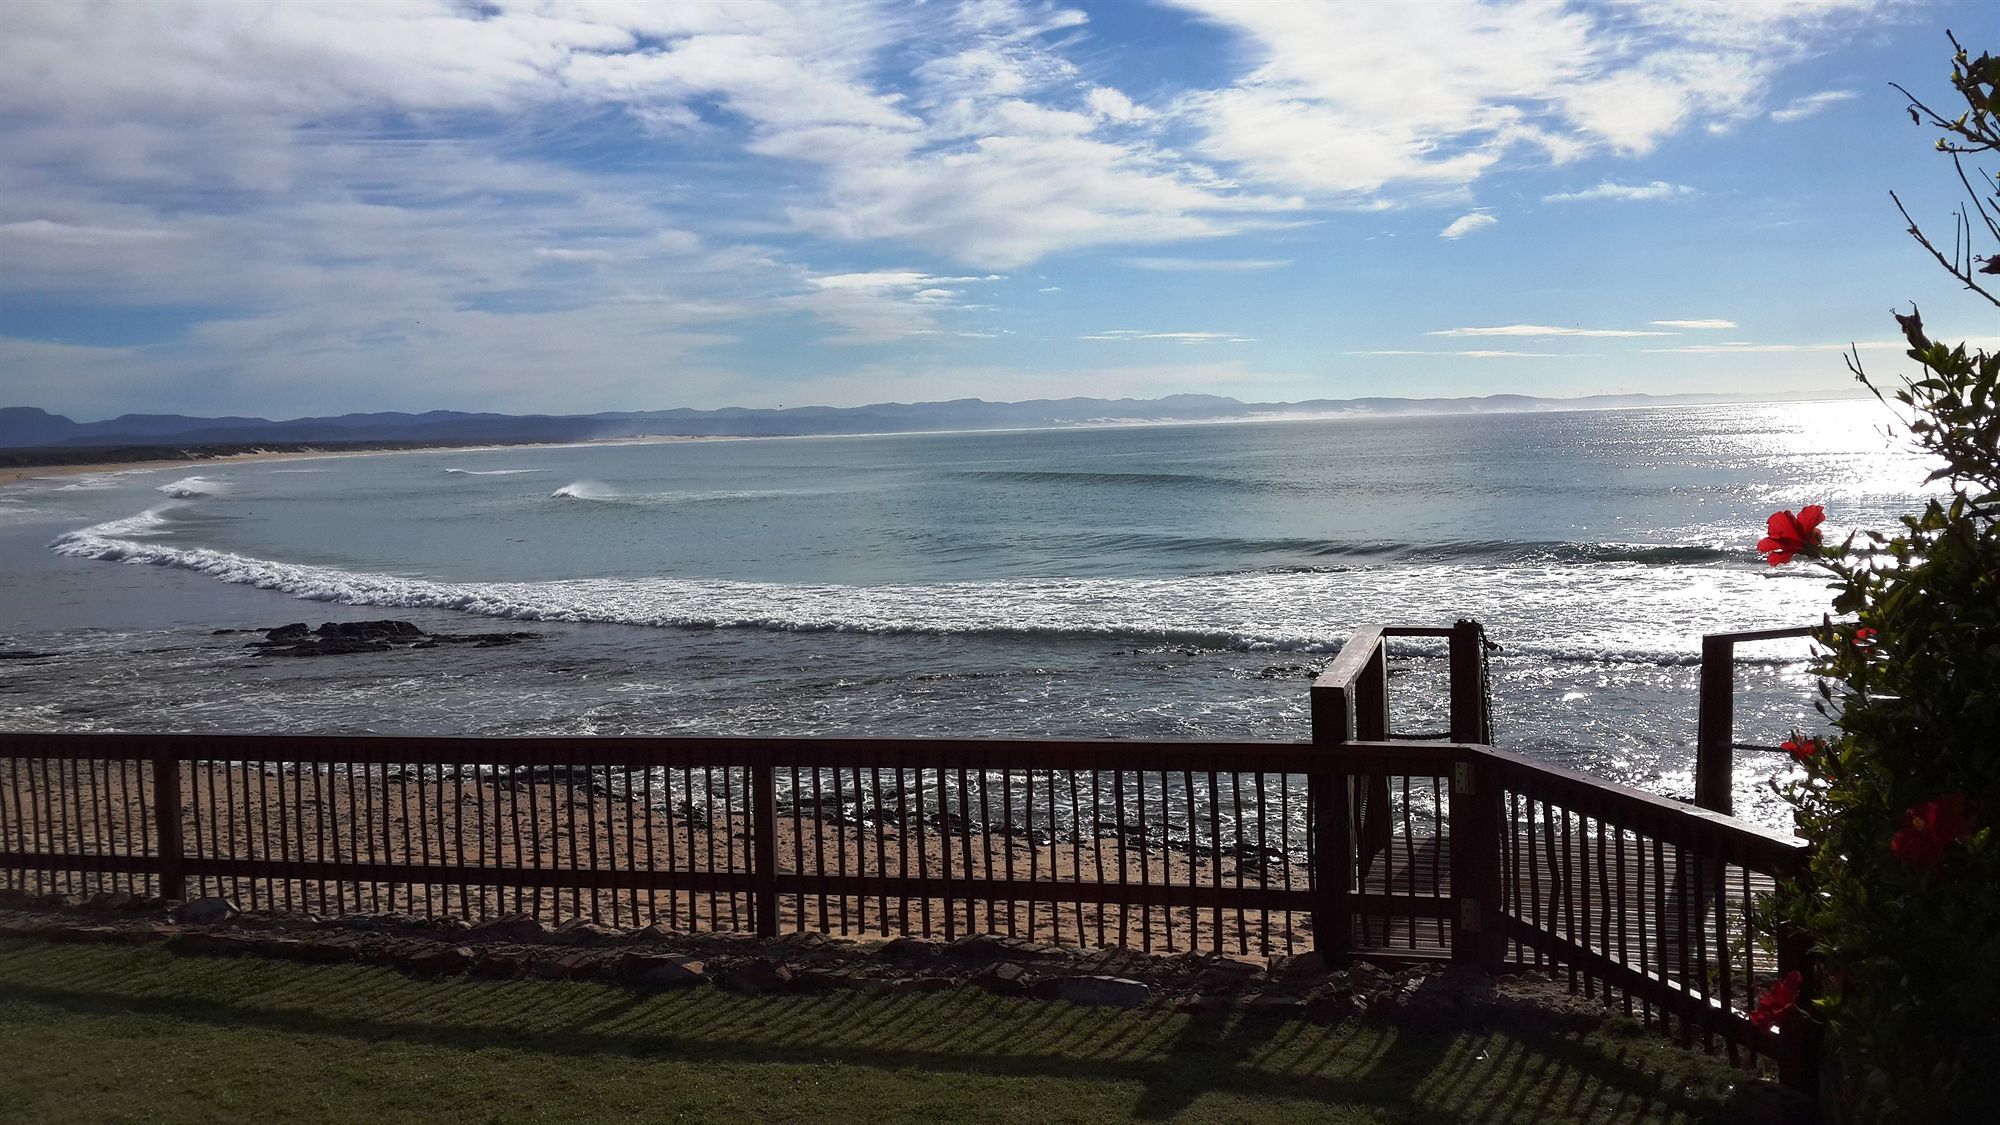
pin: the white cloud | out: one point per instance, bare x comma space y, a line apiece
1798, 109
1627, 193
1346, 100
1468, 223
882, 306
1695, 324
1543, 330
1197, 265
1480, 353
1180, 337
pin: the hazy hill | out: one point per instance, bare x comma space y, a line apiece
25, 426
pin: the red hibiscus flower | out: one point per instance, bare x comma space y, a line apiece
1929, 829
1801, 748
1864, 637
1792, 534
1775, 1007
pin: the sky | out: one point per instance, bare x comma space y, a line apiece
308, 208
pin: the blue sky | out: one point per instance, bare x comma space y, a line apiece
310, 208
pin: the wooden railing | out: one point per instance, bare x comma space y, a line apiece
1715, 716
1353, 844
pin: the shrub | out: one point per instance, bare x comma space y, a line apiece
1901, 804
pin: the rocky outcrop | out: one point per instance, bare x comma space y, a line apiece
346, 638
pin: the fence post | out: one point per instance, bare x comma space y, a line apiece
1470, 718
1715, 722
764, 844
1475, 862
167, 824
1799, 1058
1329, 836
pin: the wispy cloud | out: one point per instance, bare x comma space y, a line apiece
1624, 193
1744, 347
1197, 265
1799, 109
879, 306
1695, 324
1476, 353
1544, 330
1466, 224
1181, 337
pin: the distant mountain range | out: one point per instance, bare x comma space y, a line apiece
29, 427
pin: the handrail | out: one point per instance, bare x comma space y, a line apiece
1715, 716
591, 750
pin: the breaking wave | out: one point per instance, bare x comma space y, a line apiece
491, 472
1286, 610
188, 488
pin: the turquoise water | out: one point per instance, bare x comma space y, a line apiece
1163, 581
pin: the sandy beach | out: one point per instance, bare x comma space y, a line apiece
19, 474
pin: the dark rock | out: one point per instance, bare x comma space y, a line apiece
335, 950
513, 927
1273, 1004
987, 949
438, 961
1004, 978
500, 963
1299, 965
370, 630
911, 951
14, 898
654, 970
104, 902
1103, 991
205, 911
756, 976
589, 930
373, 922
572, 965
1331, 1005
1365, 977
288, 634
654, 932
287, 948
213, 945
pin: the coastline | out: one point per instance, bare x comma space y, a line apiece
15, 475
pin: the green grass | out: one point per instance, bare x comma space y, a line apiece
107, 1033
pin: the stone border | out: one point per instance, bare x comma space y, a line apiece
520, 947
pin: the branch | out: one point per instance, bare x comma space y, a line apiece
1951, 267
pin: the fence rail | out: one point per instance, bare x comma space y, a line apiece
1354, 844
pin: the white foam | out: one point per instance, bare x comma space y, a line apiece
584, 490
1622, 614
491, 472
188, 488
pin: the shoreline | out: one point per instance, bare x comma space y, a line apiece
15, 475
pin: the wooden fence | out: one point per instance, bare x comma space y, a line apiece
1354, 844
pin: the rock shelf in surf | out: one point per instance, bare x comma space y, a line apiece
345, 638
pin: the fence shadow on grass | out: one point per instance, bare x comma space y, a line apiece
1519, 1072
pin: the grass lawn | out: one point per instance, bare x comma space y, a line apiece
110, 1033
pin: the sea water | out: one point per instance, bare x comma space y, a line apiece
1165, 582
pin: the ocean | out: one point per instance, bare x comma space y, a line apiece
1163, 582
